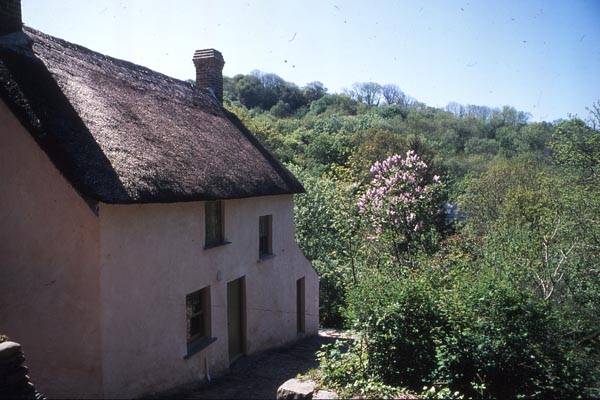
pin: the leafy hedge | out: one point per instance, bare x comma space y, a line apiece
471, 333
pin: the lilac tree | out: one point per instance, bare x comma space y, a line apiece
401, 203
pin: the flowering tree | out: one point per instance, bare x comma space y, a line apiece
402, 202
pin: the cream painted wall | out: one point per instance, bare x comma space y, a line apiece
98, 302
153, 255
49, 263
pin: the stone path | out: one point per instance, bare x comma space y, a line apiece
258, 376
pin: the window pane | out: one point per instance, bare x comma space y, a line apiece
196, 305
196, 326
264, 247
262, 226
214, 222
198, 314
264, 235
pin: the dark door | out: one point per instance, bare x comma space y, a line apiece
235, 318
300, 307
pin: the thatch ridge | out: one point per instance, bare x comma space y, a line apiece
122, 133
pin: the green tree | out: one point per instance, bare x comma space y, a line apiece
577, 145
401, 205
281, 109
327, 226
331, 104
393, 95
368, 93
313, 91
488, 196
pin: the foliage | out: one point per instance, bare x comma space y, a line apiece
313, 91
368, 93
494, 323
504, 304
402, 202
334, 104
342, 369
434, 392
270, 92
399, 321
295, 123
516, 190
507, 340
373, 145
577, 145
326, 229
472, 329
392, 94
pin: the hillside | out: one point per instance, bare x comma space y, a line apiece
500, 303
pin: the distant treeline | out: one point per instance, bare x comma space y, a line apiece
318, 130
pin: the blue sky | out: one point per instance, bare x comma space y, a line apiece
542, 57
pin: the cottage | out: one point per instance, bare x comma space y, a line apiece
146, 237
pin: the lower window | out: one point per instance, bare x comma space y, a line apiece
197, 306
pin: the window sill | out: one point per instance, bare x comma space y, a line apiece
213, 245
198, 346
265, 258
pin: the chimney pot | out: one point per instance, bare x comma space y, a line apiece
209, 70
10, 16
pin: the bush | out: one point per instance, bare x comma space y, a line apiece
506, 341
332, 293
343, 367
399, 320
473, 332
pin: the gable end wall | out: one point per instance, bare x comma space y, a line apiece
49, 258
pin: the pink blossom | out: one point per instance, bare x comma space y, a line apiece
399, 187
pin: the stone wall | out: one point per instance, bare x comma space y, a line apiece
14, 381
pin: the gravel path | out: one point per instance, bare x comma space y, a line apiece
258, 376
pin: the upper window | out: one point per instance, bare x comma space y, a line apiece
264, 236
198, 315
214, 223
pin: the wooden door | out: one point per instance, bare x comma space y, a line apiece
235, 318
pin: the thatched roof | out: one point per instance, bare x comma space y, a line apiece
122, 133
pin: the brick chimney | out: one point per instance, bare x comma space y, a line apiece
209, 71
10, 16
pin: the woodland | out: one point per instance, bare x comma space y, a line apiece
461, 245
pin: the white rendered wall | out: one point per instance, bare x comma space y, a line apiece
49, 269
153, 255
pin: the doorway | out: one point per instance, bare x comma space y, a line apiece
300, 305
236, 318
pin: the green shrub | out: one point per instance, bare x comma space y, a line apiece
332, 293
343, 367
399, 320
472, 333
504, 339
